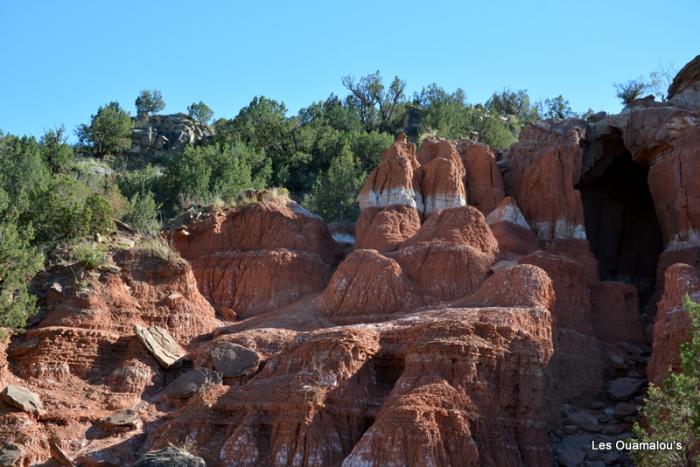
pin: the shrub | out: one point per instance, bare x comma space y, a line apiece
631, 90
100, 215
143, 214
672, 410
90, 254
19, 262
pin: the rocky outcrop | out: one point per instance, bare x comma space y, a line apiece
396, 180
158, 134
450, 255
672, 324
396, 391
442, 176
366, 286
513, 233
522, 285
22, 399
684, 91
615, 312
483, 177
544, 167
385, 229
170, 457
258, 257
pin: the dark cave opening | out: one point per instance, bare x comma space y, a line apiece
621, 223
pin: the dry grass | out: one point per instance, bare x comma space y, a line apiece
249, 197
160, 248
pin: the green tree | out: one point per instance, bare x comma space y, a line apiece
557, 107
56, 153
19, 262
148, 102
109, 132
23, 173
441, 113
200, 112
263, 126
332, 113
368, 147
379, 108
671, 411
335, 191
515, 103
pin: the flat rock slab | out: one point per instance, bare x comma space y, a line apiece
583, 420
126, 420
624, 388
170, 457
160, 344
234, 359
22, 398
569, 456
192, 381
10, 454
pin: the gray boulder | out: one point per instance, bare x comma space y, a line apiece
158, 134
22, 398
170, 457
584, 421
10, 454
122, 421
192, 381
624, 388
234, 359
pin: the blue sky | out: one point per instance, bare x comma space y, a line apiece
60, 60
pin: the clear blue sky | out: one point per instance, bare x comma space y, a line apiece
60, 60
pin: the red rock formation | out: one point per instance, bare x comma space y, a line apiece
511, 230
450, 255
572, 308
442, 174
443, 270
543, 169
615, 312
674, 181
672, 321
422, 353
396, 180
398, 391
484, 180
258, 257
365, 285
385, 229
464, 226
83, 358
522, 285
686, 81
